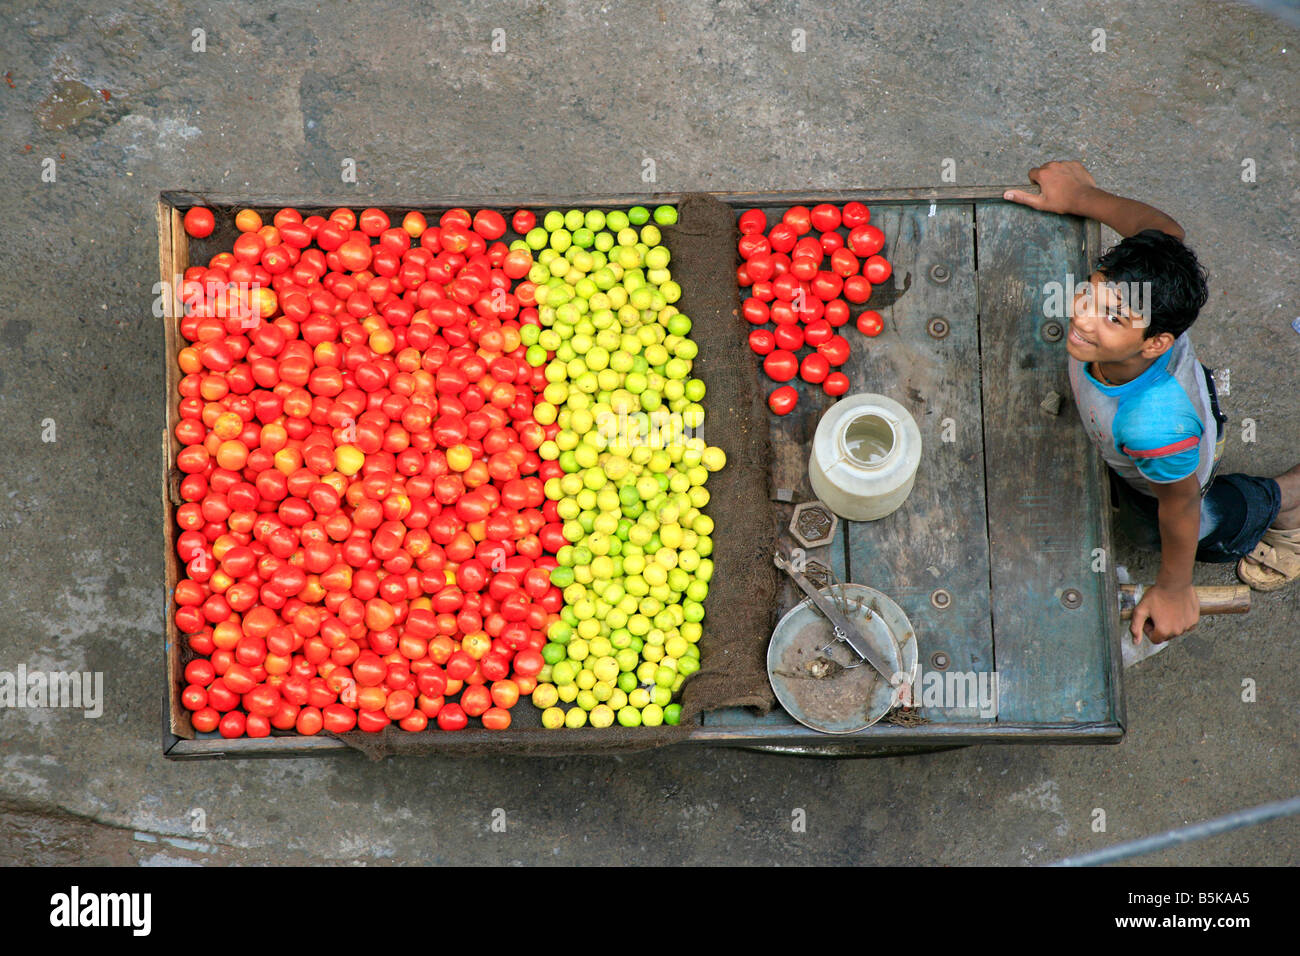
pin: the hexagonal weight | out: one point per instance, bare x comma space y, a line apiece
813, 524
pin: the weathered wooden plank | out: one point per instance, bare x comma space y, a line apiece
952, 734
741, 199
937, 541
1046, 484
719, 733
173, 257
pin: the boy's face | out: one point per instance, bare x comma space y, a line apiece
1104, 329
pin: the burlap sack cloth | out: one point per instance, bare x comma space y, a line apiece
741, 606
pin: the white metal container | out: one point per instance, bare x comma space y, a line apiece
864, 457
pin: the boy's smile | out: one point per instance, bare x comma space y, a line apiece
1105, 332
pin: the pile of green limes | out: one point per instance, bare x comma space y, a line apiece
636, 570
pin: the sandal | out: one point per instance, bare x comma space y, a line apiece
1275, 561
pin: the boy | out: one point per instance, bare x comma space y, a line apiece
1151, 408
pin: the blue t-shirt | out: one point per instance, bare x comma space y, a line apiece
1158, 428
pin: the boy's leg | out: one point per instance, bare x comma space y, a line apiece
1274, 560
1288, 517
1236, 511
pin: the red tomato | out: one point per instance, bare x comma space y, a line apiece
855, 214
529, 663
827, 285
762, 341
452, 717
877, 270
372, 222
870, 323
785, 286
338, 719
355, 254
760, 268
754, 244
309, 721
783, 400
814, 368
755, 311
233, 724
517, 263
523, 221
836, 383
799, 218
505, 694
783, 237
803, 268
496, 718
781, 365
199, 222
836, 350
825, 217
789, 337
751, 221
857, 289
866, 240
194, 698
837, 313
414, 224
819, 331
844, 263
489, 224
476, 699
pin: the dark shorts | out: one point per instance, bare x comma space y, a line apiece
1235, 512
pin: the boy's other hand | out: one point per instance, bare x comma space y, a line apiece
1167, 613
1062, 187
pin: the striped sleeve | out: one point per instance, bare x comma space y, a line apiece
1161, 438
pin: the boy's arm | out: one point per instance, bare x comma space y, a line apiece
1171, 603
1068, 188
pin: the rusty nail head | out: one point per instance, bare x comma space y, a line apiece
1052, 331
939, 661
939, 273
941, 599
937, 327
1071, 598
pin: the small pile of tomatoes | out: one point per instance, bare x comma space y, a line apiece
363, 528
802, 275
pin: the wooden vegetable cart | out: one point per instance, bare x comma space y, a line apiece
1001, 555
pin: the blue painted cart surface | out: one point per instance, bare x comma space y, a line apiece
1001, 554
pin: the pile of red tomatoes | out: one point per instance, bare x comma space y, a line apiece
363, 529
802, 275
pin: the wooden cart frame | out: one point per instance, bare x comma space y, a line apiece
1035, 587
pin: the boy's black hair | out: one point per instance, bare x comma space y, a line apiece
1178, 287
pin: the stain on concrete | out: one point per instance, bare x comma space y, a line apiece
69, 103
13, 334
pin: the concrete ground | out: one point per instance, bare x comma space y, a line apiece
125, 106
